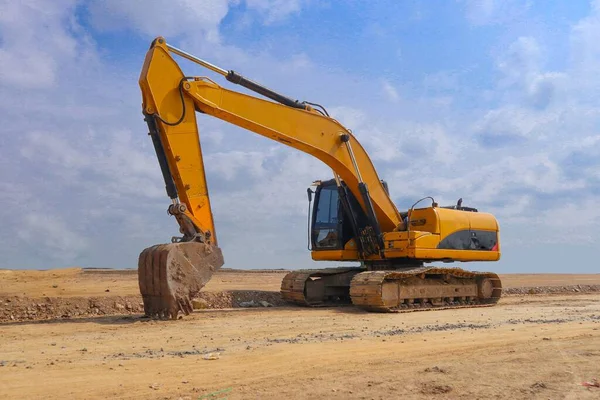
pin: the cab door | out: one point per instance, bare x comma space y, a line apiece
327, 219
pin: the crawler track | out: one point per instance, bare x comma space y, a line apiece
404, 290
424, 288
294, 285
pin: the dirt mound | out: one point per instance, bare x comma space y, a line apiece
18, 308
429, 388
552, 289
241, 298
23, 308
28, 309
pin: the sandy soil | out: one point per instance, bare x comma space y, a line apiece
77, 282
527, 346
74, 282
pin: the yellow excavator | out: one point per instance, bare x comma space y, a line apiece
353, 217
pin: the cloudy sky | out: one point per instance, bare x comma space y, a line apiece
492, 101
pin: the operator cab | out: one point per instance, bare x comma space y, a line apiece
334, 216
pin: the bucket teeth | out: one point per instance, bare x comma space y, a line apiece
171, 275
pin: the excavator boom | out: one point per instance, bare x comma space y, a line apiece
170, 97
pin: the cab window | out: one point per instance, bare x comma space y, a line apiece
326, 228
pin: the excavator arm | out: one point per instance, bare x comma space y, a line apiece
169, 99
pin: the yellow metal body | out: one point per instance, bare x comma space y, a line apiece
429, 227
305, 130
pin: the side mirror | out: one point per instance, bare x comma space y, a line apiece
309, 193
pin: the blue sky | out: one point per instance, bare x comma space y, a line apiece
492, 101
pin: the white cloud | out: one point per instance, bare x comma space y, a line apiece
511, 123
214, 137
275, 10
487, 12
52, 235
351, 118
390, 91
442, 80
228, 165
181, 17
522, 58
53, 149
111, 157
584, 56
481, 11
35, 38
521, 66
162, 17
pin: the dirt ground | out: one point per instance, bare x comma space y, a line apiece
74, 282
527, 346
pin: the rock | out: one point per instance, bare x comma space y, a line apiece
593, 383
119, 307
212, 356
250, 303
154, 386
200, 304
435, 369
265, 303
539, 385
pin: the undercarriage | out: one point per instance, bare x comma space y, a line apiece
411, 288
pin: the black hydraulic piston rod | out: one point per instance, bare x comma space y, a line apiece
162, 158
238, 79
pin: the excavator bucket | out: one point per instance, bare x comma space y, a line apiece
171, 275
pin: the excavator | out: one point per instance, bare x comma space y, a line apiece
353, 217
